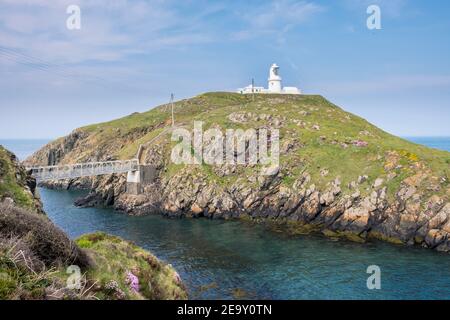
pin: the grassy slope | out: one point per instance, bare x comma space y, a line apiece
11, 185
114, 257
106, 279
322, 149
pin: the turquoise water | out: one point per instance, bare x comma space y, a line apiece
216, 259
232, 259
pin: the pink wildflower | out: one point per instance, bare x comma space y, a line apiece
177, 277
132, 281
360, 143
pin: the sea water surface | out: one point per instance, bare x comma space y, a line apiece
233, 259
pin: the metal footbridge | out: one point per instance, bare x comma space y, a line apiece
79, 170
89, 169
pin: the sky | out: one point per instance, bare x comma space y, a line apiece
129, 56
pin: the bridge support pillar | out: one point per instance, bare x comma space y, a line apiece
134, 185
136, 180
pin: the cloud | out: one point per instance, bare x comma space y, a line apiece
115, 30
110, 29
276, 18
112, 46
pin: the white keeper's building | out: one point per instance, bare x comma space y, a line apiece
274, 85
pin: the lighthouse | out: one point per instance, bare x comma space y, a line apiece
274, 85
274, 79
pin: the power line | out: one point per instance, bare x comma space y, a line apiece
17, 52
35, 66
30, 59
35, 60
37, 63
44, 66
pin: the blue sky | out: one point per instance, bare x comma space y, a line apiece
130, 55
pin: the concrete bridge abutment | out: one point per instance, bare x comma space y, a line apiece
136, 180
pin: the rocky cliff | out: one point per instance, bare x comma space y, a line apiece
338, 174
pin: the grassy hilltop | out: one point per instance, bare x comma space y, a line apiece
315, 136
338, 174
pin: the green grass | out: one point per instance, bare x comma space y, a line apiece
130, 150
17, 282
114, 258
10, 185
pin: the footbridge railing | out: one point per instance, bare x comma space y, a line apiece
72, 171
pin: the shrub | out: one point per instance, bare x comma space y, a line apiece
38, 234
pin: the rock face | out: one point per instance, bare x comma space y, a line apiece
338, 174
17, 187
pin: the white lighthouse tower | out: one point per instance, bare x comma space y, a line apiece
274, 85
274, 79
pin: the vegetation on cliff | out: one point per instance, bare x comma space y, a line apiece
15, 185
33, 255
37, 259
126, 270
338, 173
